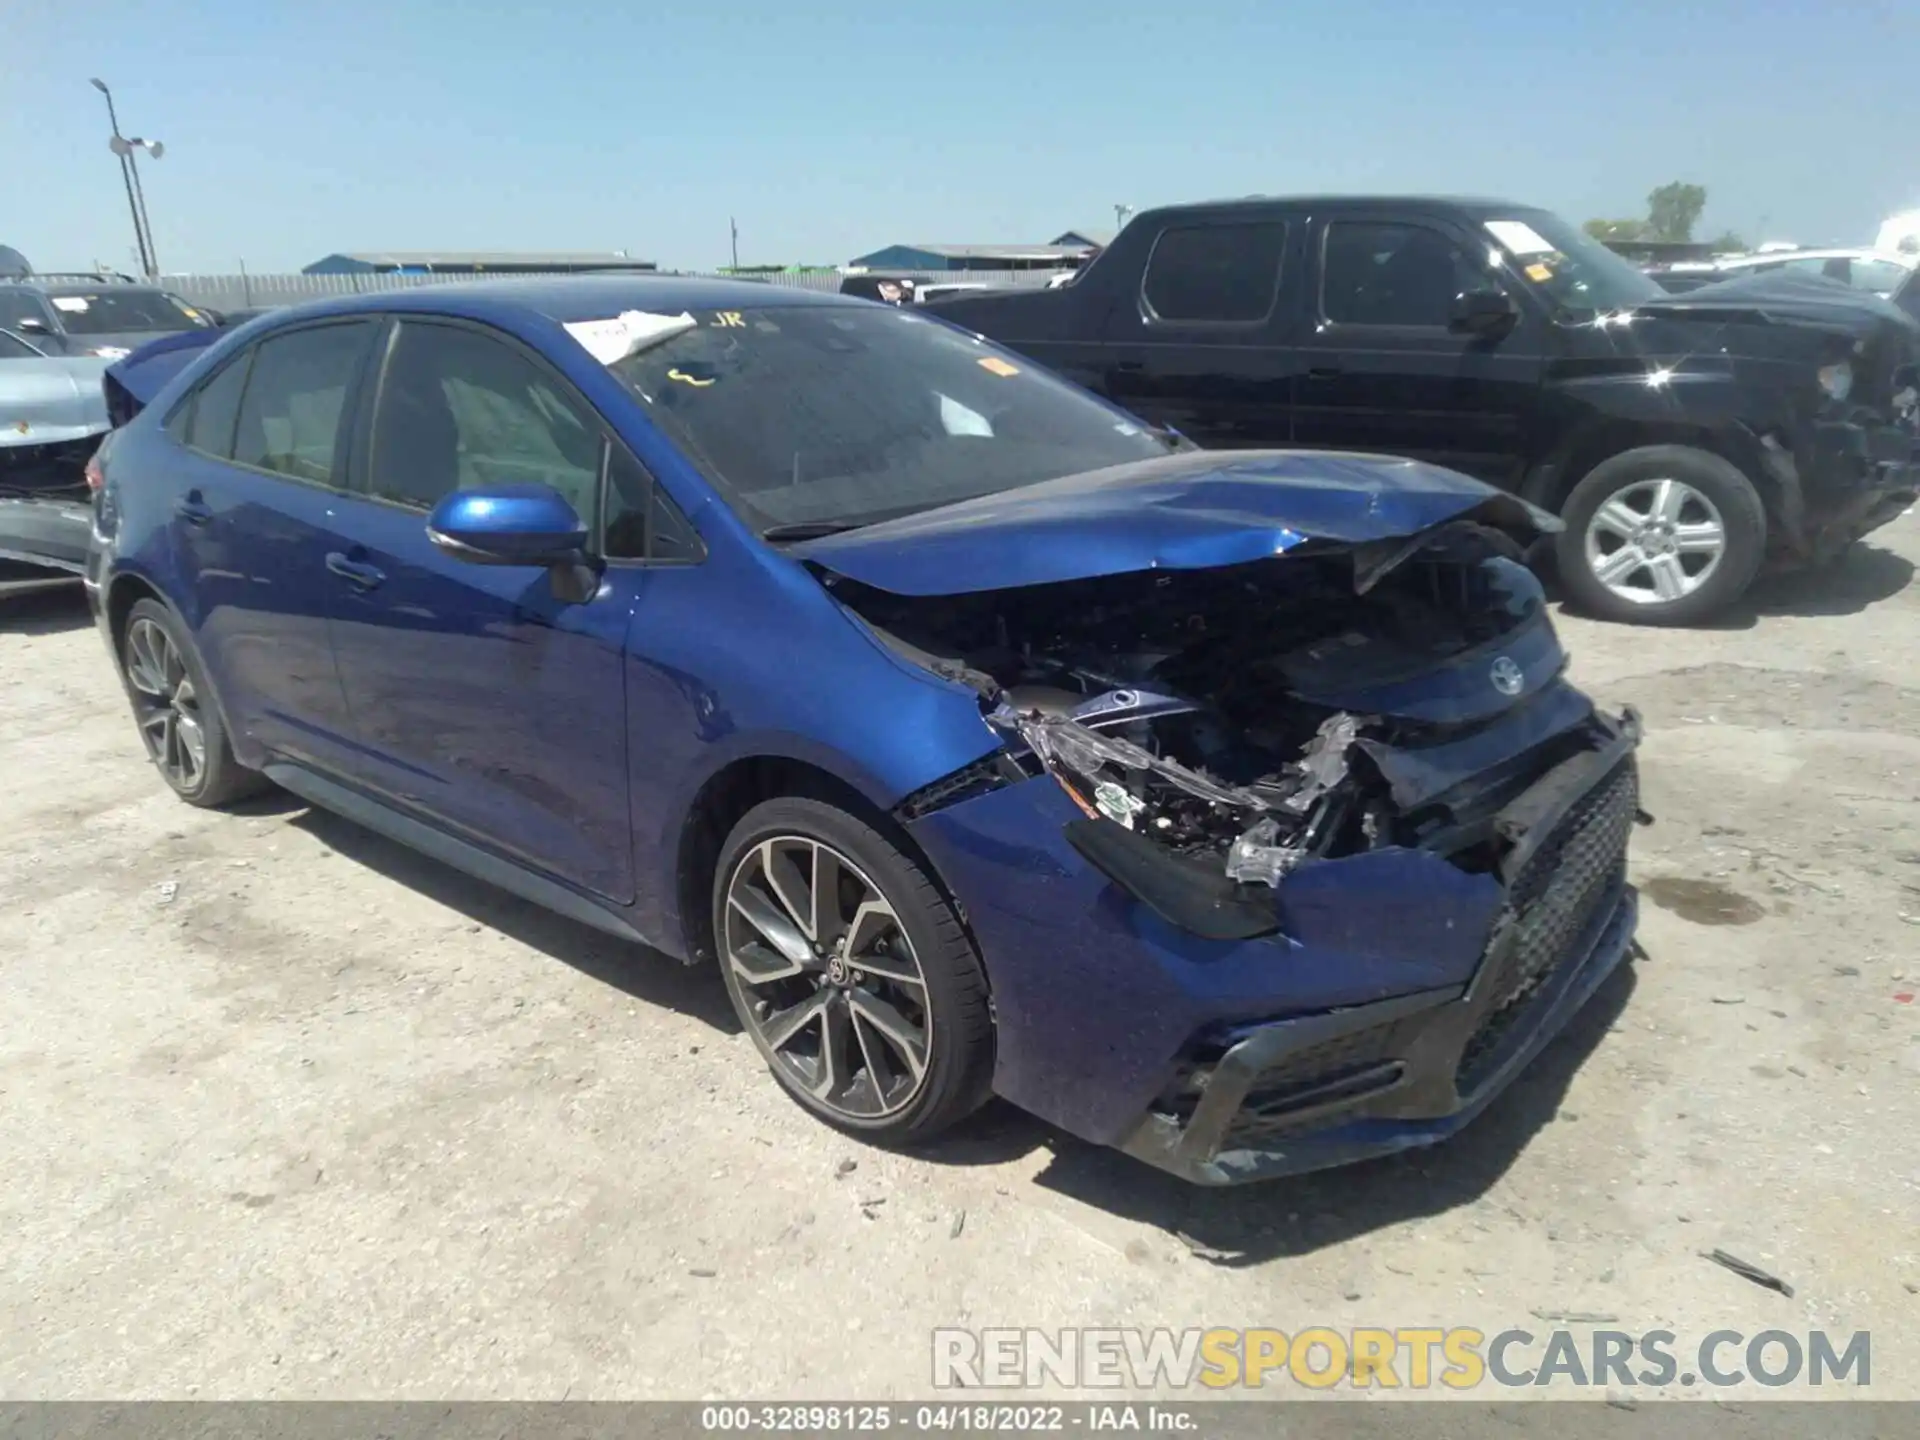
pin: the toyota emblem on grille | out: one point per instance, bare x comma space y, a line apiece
1506, 676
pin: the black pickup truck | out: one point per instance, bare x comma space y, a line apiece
1684, 439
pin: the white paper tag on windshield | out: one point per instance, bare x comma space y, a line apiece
627, 333
72, 304
1520, 237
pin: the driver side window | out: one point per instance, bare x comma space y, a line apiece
1377, 273
460, 410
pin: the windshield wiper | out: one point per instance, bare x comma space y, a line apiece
809, 529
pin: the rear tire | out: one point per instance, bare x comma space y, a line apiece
177, 711
1662, 535
870, 1007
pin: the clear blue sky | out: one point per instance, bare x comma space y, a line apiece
295, 128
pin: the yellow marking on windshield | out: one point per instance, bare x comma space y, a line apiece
994, 365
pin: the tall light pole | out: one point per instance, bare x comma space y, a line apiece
154, 148
130, 177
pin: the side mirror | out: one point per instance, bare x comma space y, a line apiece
508, 525
1483, 312
32, 325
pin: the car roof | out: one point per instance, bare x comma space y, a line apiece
574, 297
86, 287
1478, 206
1835, 252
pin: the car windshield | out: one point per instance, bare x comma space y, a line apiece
846, 414
1572, 271
117, 311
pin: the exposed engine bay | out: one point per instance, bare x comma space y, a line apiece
1227, 713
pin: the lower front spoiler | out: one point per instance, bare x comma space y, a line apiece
1410, 1095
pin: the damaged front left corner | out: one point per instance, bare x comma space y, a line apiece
1254, 833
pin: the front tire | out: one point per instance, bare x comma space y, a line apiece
1662, 535
851, 972
174, 706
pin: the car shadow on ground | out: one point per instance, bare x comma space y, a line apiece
645, 974
1863, 577
1238, 1226
1252, 1224
44, 612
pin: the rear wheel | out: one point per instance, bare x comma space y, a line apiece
1663, 535
174, 707
851, 972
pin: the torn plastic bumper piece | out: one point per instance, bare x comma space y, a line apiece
1405, 1093
1255, 1101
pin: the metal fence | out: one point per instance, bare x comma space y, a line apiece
245, 292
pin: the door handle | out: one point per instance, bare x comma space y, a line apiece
1130, 367
1324, 372
193, 509
358, 572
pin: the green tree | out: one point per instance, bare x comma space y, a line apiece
1730, 244
1607, 231
1674, 209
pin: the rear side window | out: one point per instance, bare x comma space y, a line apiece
1215, 274
460, 410
1882, 277
209, 421
290, 416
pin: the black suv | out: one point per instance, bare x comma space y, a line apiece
102, 315
1683, 439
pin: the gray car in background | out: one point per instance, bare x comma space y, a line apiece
53, 412
97, 315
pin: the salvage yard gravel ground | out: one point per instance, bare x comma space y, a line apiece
287, 1111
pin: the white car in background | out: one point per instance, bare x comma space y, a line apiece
1882, 272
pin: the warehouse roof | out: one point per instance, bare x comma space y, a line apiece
1003, 252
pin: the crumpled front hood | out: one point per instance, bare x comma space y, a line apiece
1192, 511
51, 399
145, 372
1785, 297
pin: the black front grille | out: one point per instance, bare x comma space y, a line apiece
1550, 905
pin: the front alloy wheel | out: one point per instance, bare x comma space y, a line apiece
849, 966
1655, 541
166, 705
835, 997
1661, 535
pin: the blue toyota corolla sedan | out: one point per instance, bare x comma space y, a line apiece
1230, 808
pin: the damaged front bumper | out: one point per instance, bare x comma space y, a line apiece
1843, 480
1408, 992
43, 541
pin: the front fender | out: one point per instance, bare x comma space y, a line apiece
1700, 403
